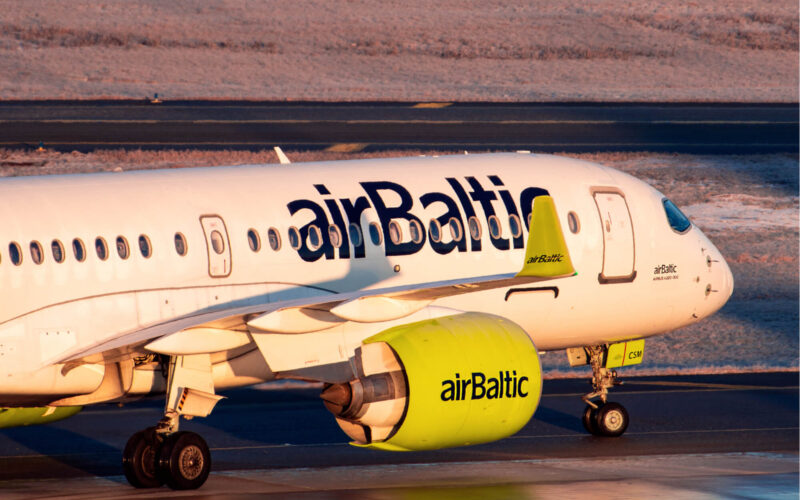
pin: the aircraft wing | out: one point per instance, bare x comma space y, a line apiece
546, 258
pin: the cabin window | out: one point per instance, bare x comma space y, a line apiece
217, 242
435, 231
375, 233
314, 237
123, 250
79, 249
294, 238
253, 240
58, 251
37, 253
335, 236
495, 231
677, 220
573, 222
144, 246
355, 234
474, 228
15, 253
180, 244
415, 231
515, 225
274, 239
456, 231
101, 247
395, 233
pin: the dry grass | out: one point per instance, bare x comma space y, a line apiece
471, 49
60, 36
751, 31
487, 50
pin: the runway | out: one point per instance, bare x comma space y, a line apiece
712, 436
364, 126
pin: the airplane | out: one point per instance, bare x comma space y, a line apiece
419, 292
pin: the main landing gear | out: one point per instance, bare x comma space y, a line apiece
162, 455
602, 417
180, 460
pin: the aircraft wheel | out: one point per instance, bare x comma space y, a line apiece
611, 420
139, 459
184, 461
589, 420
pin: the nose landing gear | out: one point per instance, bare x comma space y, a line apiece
602, 417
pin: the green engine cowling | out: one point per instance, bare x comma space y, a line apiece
15, 417
453, 381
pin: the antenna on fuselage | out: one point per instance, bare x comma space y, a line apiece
281, 156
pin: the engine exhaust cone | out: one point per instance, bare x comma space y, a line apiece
337, 397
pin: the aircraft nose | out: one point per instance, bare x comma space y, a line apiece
720, 286
727, 279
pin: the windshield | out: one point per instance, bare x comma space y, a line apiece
677, 220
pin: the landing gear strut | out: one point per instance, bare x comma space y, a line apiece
603, 418
163, 455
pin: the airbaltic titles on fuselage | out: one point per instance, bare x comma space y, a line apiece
458, 203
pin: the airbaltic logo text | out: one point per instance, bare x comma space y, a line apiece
456, 206
541, 259
665, 272
665, 269
478, 386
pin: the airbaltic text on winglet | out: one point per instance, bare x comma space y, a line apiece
544, 258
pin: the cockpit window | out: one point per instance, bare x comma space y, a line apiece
679, 222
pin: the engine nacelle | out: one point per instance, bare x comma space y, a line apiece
453, 381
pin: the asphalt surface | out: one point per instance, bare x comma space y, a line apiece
545, 127
288, 432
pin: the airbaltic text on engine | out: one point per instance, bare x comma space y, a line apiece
506, 385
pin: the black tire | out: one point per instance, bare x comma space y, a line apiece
139, 459
184, 461
588, 419
611, 420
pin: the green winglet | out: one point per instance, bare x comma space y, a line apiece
546, 254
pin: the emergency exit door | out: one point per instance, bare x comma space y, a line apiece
618, 244
217, 245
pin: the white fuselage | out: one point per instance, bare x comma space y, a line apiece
636, 275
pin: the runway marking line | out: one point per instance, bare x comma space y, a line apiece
347, 147
701, 384
151, 121
308, 445
537, 436
690, 388
432, 105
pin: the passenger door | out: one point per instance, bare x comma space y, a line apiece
618, 242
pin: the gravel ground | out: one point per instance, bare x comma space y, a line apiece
538, 50
748, 205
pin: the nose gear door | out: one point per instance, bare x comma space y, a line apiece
618, 243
